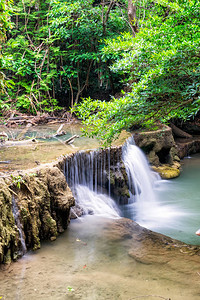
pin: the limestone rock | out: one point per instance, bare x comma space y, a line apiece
159, 146
167, 172
43, 199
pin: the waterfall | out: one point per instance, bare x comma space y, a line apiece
140, 178
94, 203
88, 175
96, 176
142, 206
15, 212
145, 207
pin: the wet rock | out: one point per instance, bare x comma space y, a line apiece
76, 212
105, 171
43, 199
9, 236
188, 147
141, 243
159, 146
167, 172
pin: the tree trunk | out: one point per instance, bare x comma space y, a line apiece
132, 17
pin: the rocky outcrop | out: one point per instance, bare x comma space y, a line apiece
166, 171
188, 147
141, 243
159, 146
161, 151
43, 200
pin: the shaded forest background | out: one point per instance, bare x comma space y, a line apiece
118, 64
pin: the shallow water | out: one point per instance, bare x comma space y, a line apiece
44, 150
90, 262
27, 156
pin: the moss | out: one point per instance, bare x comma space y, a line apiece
125, 192
7, 257
112, 178
43, 201
167, 172
8, 230
49, 226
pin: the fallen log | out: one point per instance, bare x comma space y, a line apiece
59, 132
57, 118
24, 131
71, 139
18, 143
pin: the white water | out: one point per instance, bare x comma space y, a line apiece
85, 173
94, 203
144, 207
19, 225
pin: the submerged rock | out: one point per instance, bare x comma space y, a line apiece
76, 212
141, 243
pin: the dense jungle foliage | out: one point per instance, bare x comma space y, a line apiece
71, 53
53, 53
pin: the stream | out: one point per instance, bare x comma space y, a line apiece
95, 258
181, 197
43, 150
90, 262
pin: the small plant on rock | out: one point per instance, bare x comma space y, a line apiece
18, 180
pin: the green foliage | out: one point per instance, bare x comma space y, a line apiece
162, 66
70, 289
5, 11
54, 52
18, 180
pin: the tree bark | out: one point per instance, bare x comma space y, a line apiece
132, 17
105, 19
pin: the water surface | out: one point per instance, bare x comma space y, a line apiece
90, 261
44, 150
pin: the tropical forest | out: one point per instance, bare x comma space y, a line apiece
99, 149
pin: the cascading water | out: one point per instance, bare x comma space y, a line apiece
87, 176
19, 226
143, 206
140, 177
90, 176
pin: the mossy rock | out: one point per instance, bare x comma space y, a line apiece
167, 172
43, 200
